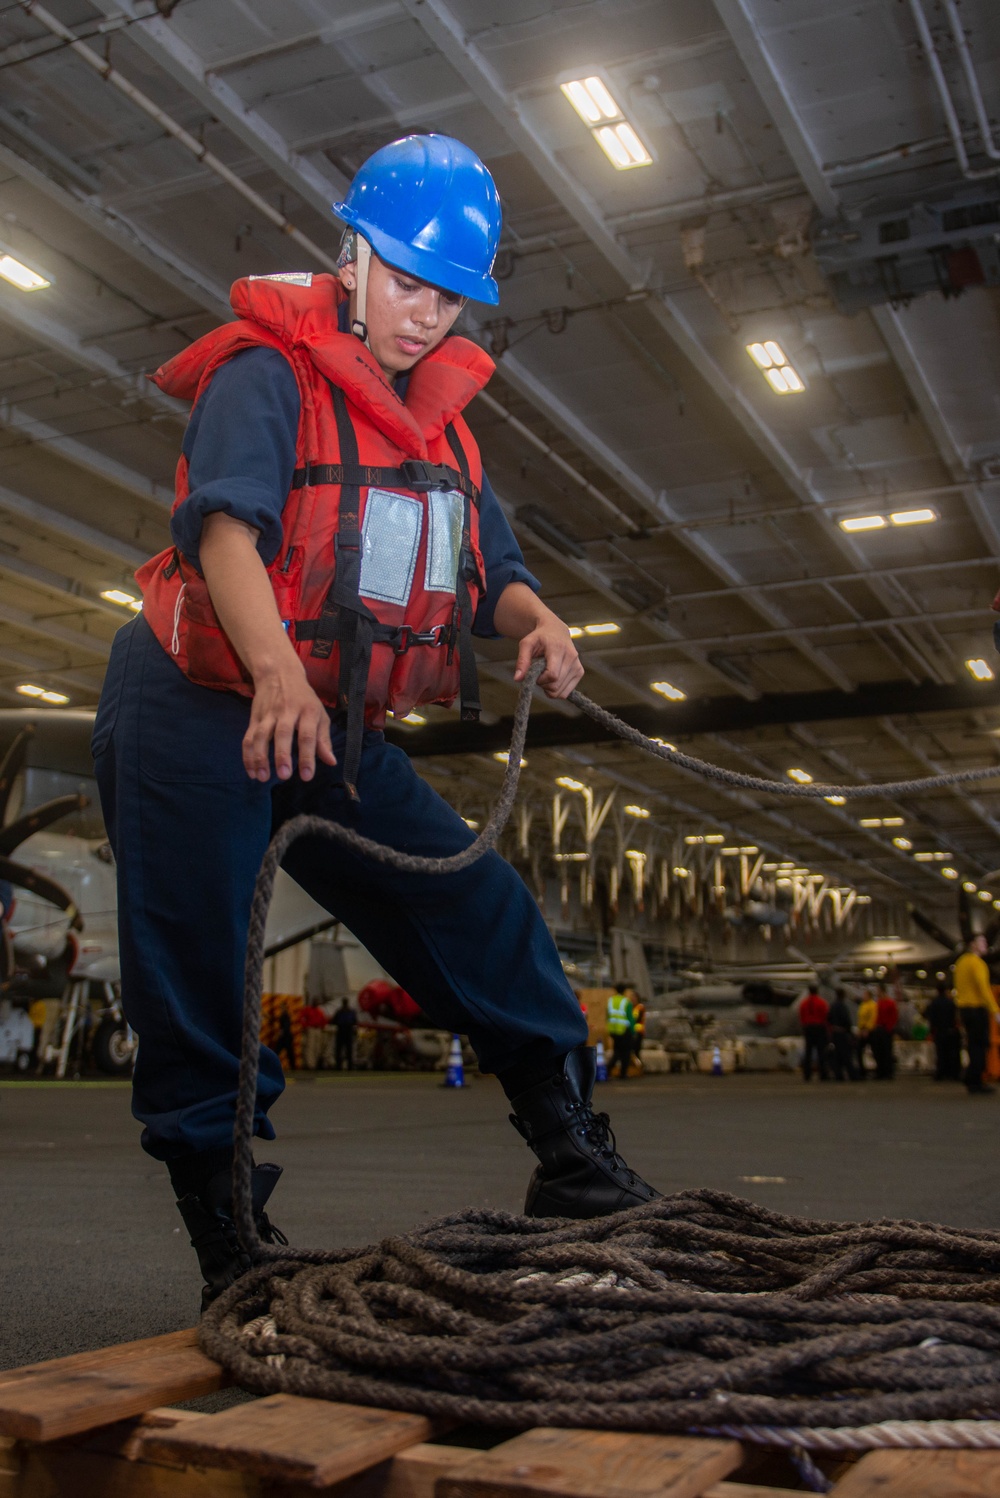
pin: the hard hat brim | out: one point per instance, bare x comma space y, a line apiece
425, 265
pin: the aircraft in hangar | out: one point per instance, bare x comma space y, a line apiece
60, 933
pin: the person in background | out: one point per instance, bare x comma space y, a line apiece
345, 1022
867, 1015
942, 1018
975, 1002
882, 1037
814, 1014
842, 1039
639, 1026
621, 1028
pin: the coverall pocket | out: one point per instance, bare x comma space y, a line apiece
111, 692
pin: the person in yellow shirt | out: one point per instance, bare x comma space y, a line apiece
867, 1015
975, 1002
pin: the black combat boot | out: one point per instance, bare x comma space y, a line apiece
581, 1173
208, 1217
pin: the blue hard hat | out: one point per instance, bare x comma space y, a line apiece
427, 205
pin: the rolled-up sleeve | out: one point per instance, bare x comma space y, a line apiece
503, 558
240, 447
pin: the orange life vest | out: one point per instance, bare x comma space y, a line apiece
379, 571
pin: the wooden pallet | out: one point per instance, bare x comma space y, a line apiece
101, 1425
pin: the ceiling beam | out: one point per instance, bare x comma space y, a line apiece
135, 241
18, 311
739, 20
51, 629
81, 455
708, 715
70, 529
317, 185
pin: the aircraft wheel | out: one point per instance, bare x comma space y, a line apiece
114, 1048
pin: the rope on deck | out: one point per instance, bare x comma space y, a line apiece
696, 1312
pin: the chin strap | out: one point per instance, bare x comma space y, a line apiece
359, 327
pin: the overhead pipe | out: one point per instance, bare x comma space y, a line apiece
176, 131
968, 67
947, 102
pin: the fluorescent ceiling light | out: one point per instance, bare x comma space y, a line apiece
750, 848
913, 517
602, 629
902, 842
967, 885
714, 837
569, 784
118, 595
870, 822
592, 100
784, 381
681, 872
502, 757
770, 357
985, 894
770, 867
20, 275
634, 853
924, 857
414, 719
980, 670
42, 694
801, 777
730, 852
862, 523
666, 689
950, 873
694, 837
666, 744
836, 800
636, 811
893, 821
864, 900
575, 631
622, 146
600, 112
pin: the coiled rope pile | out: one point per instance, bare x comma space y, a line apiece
698, 1311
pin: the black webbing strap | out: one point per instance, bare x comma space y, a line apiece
343, 617
413, 474
468, 676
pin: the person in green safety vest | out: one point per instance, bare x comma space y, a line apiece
621, 1028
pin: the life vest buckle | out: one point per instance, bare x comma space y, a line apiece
407, 636
422, 477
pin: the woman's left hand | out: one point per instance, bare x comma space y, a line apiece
563, 668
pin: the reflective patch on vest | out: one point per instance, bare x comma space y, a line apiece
390, 538
444, 543
292, 277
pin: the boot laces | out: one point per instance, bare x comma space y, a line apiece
268, 1232
596, 1129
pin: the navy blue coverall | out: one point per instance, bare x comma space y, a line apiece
189, 829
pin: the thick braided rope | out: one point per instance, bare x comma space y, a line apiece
698, 1311
816, 1336
814, 790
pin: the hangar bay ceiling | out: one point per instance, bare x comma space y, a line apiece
745, 420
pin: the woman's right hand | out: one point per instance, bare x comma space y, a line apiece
286, 709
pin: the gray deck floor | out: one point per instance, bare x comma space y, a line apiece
92, 1251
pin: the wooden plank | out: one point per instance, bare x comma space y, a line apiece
411, 1474
746, 1490
923, 1474
593, 1464
286, 1438
49, 1401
